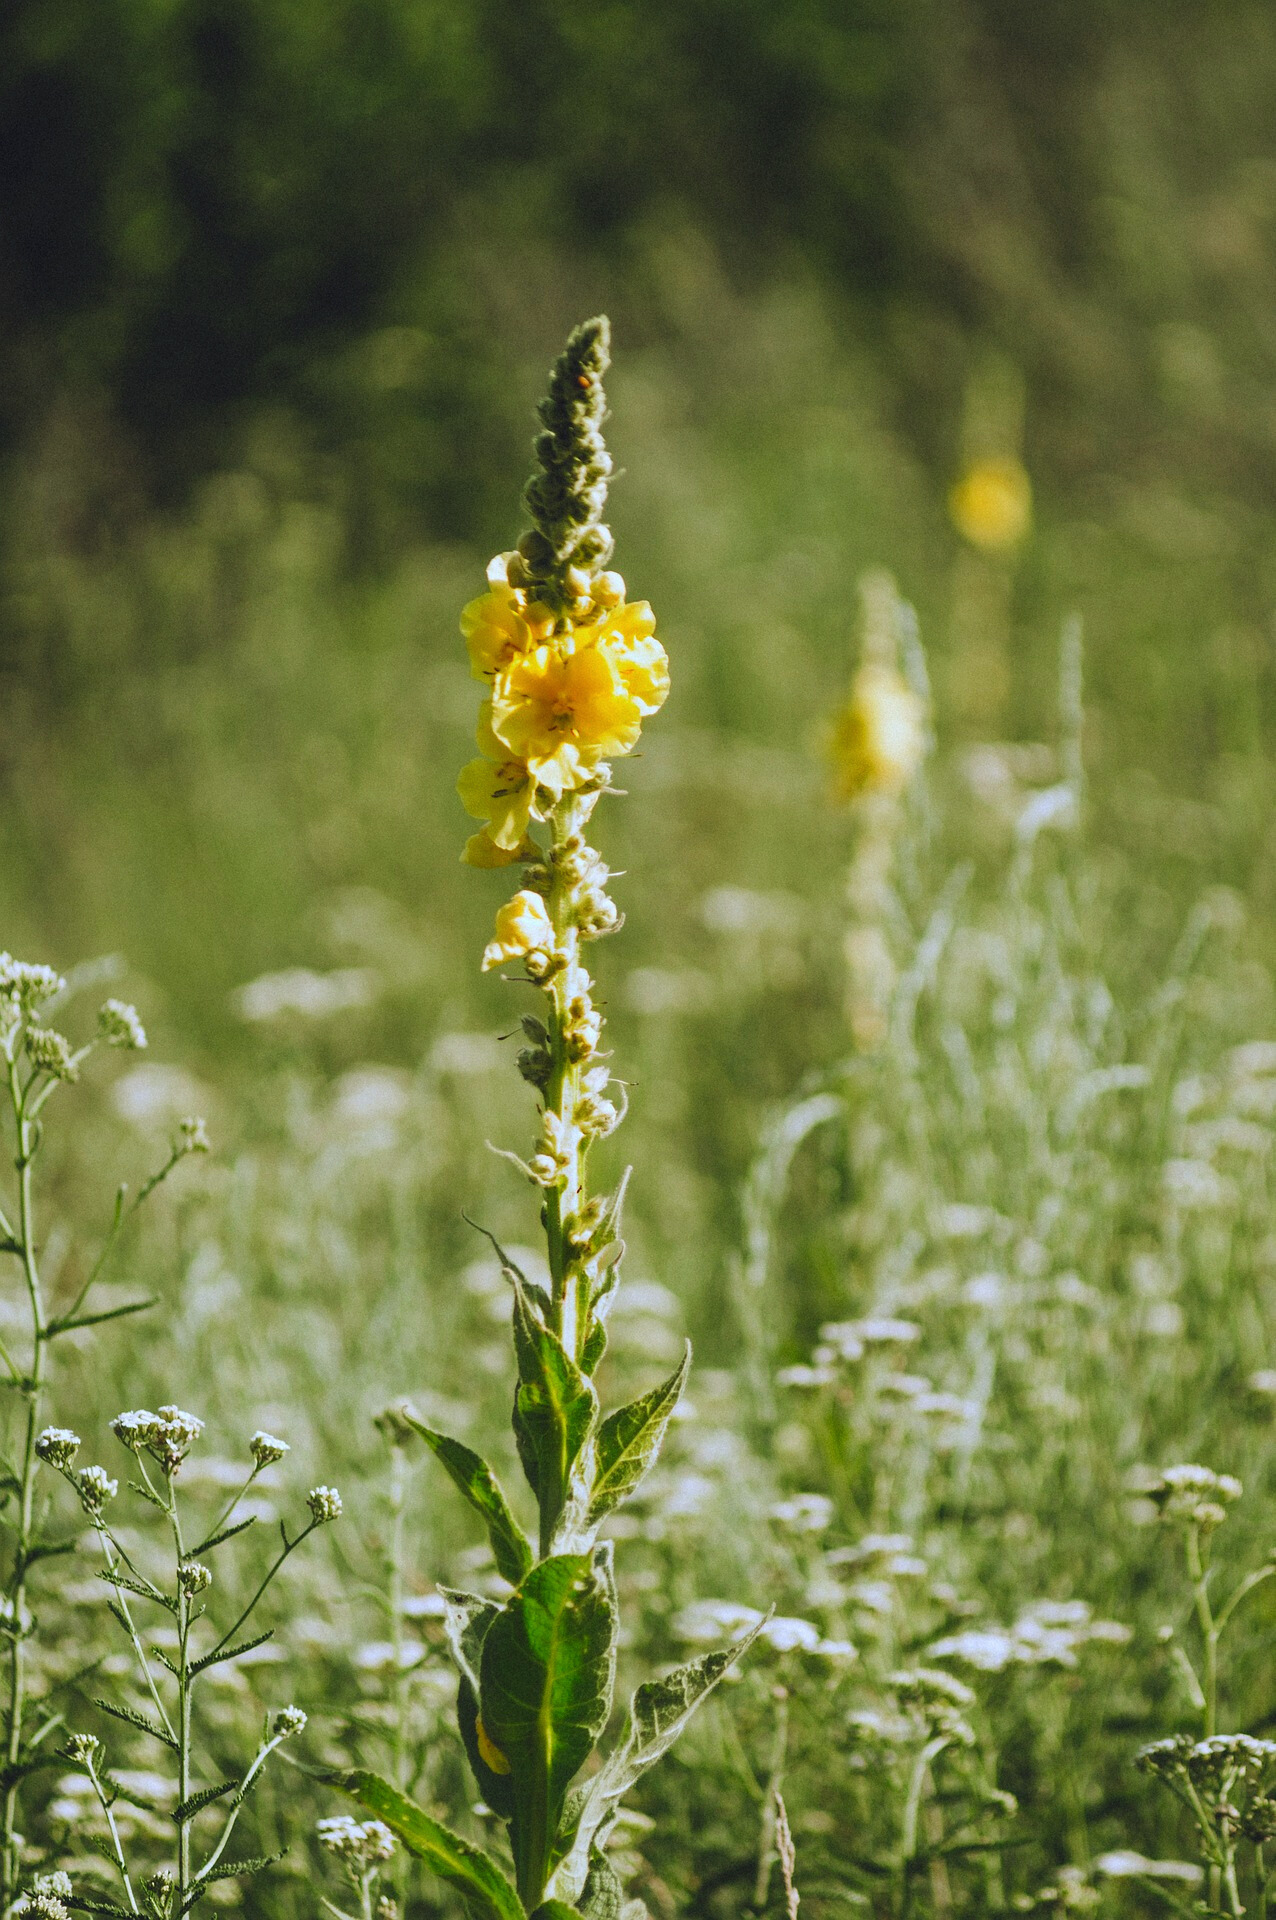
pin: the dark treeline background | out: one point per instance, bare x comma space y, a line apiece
269, 259
207, 201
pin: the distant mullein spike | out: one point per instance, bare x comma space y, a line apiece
568, 544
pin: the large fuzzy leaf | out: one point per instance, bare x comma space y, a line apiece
473, 1478
555, 1410
548, 1669
658, 1712
497, 1789
468, 1618
466, 1621
629, 1440
481, 1881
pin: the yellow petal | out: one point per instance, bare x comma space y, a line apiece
482, 851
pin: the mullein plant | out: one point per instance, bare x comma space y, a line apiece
570, 671
37, 1061
880, 738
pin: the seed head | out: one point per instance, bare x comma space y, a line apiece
119, 1026
265, 1449
57, 1447
324, 1504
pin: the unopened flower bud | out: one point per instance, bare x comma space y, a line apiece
95, 1487
193, 1578
192, 1135
265, 1449
289, 1721
119, 1025
135, 1430
50, 1052
324, 1504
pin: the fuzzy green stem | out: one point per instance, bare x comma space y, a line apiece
562, 1090
185, 1687
32, 1389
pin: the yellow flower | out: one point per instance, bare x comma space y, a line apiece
521, 924
563, 708
991, 505
879, 738
627, 636
480, 850
498, 626
501, 793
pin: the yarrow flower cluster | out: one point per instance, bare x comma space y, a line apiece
266, 1450
119, 1026
324, 1504
1193, 1494
57, 1447
167, 1436
357, 1843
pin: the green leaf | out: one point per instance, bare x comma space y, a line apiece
230, 1870
473, 1478
69, 1325
497, 1789
658, 1712
227, 1533
114, 1578
204, 1798
555, 1409
604, 1896
466, 1621
555, 1910
444, 1852
547, 1671
591, 1353
132, 1719
629, 1440
217, 1657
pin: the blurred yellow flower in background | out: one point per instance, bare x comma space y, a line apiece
879, 737
991, 505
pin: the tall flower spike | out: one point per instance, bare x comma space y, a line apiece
567, 544
570, 674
